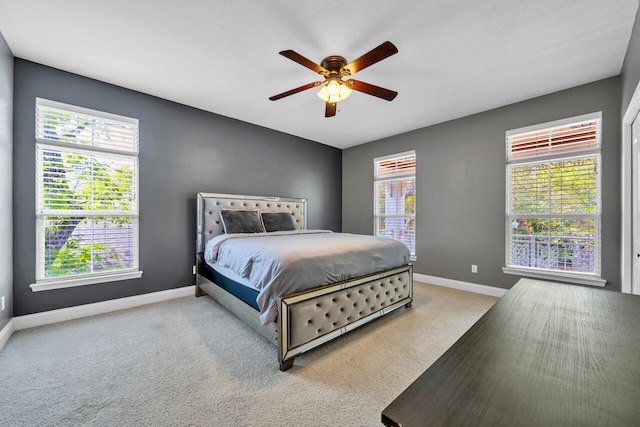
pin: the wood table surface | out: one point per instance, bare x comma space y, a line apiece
546, 354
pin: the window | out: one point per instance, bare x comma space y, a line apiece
395, 198
86, 196
553, 200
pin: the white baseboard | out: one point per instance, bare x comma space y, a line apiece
6, 333
60, 315
463, 286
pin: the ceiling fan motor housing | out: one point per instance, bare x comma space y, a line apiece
333, 63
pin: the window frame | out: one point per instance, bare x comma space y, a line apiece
377, 180
586, 278
41, 213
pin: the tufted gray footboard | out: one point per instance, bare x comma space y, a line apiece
309, 319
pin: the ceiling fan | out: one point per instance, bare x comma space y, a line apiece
333, 69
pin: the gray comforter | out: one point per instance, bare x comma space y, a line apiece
281, 263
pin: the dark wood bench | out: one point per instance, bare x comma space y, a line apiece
546, 354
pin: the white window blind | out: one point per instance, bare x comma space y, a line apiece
395, 198
553, 197
86, 193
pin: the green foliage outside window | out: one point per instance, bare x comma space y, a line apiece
554, 188
79, 182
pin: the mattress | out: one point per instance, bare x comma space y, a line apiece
231, 282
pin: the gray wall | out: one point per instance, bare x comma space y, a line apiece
182, 150
461, 184
6, 179
631, 66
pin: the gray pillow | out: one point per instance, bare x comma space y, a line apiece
239, 221
278, 221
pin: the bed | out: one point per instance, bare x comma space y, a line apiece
310, 310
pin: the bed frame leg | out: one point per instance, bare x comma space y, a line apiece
286, 364
199, 291
408, 305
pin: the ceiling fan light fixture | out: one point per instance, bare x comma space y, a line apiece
334, 91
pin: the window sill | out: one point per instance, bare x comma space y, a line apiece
46, 285
579, 278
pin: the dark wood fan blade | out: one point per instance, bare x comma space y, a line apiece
296, 57
376, 54
330, 109
294, 91
374, 90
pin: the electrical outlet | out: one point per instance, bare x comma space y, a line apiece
474, 268
3, 306
194, 269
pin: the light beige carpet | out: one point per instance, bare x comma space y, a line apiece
189, 362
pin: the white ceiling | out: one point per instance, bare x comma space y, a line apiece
455, 57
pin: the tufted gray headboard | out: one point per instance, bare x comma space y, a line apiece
210, 205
